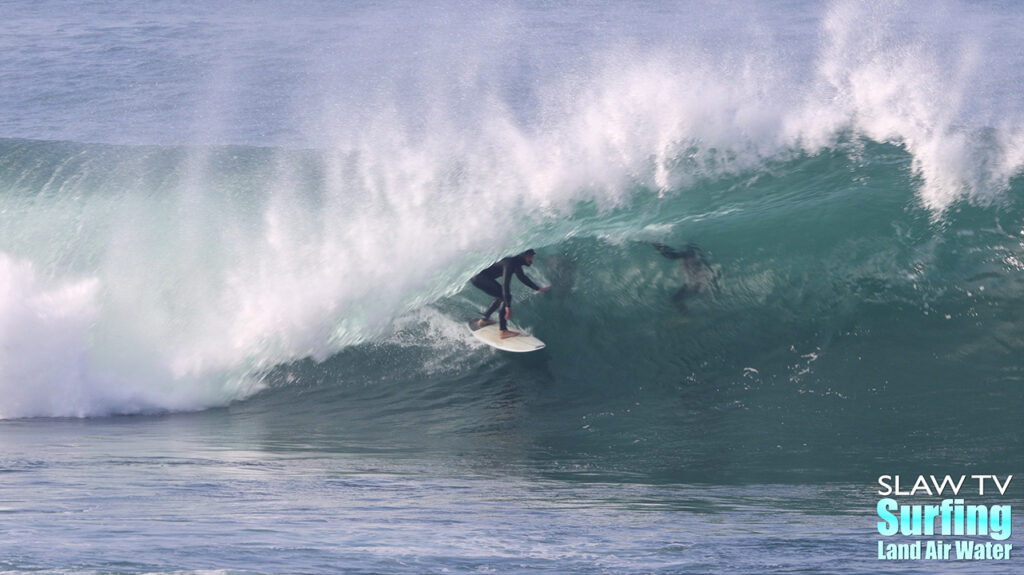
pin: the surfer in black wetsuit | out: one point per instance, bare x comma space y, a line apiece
699, 276
487, 281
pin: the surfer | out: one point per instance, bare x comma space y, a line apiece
700, 278
487, 281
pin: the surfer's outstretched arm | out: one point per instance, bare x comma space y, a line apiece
691, 251
668, 252
526, 280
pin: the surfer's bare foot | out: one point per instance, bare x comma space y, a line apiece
483, 322
505, 334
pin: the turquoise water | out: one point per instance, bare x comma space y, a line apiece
235, 242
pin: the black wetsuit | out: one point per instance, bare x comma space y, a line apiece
487, 281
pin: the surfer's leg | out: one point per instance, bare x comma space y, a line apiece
486, 319
504, 332
679, 298
491, 288
502, 322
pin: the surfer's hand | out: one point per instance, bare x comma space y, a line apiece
544, 289
508, 313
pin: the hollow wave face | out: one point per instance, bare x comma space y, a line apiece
143, 278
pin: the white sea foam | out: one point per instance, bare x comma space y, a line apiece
43, 343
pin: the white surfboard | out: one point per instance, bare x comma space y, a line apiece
490, 335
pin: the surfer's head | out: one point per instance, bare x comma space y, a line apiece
527, 257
